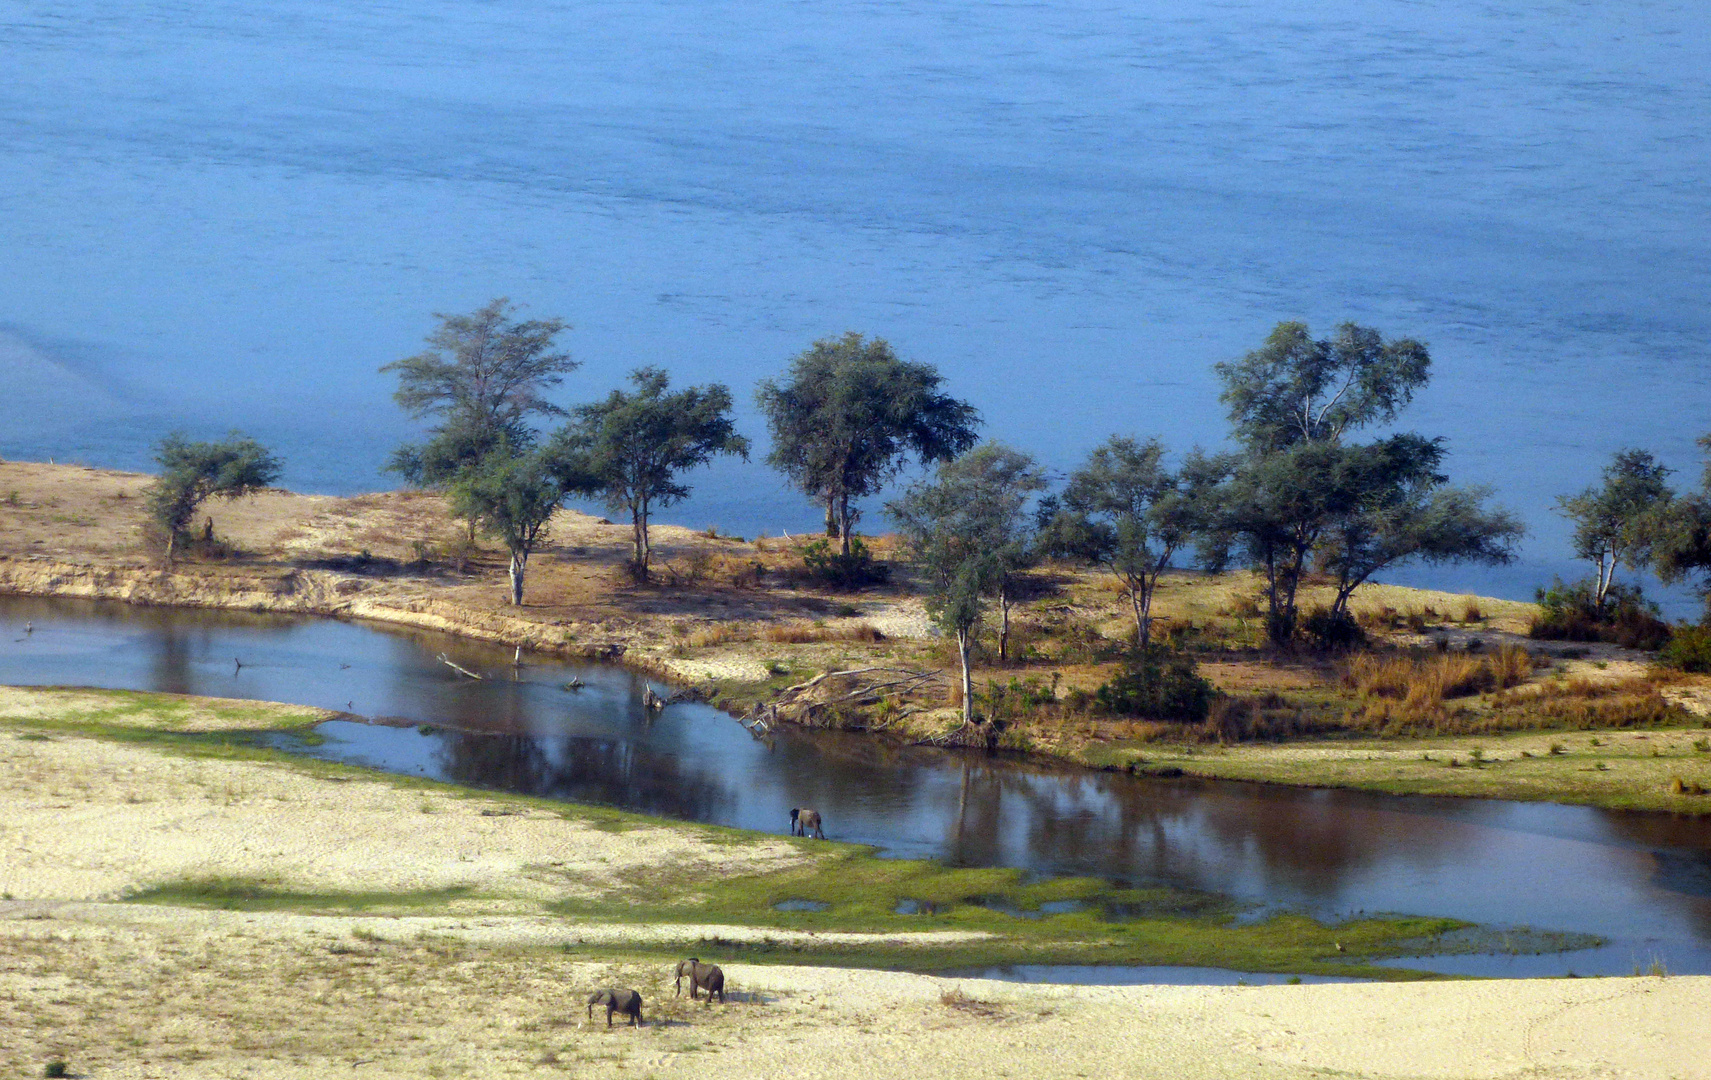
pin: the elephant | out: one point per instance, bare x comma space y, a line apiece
708, 977
627, 1002
803, 822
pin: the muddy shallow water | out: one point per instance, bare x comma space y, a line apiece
1643, 881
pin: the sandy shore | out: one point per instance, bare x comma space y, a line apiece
489, 983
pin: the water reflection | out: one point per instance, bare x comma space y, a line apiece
1643, 880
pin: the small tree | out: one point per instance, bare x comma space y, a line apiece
512, 498
849, 417
1125, 511
193, 472
631, 448
1616, 522
999, 481
958, 528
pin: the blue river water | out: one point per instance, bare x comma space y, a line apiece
224, 213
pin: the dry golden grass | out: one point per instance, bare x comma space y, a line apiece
719, 634
808, 633
1434, 679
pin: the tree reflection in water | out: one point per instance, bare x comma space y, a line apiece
1643, 879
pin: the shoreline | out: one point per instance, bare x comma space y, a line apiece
738, 646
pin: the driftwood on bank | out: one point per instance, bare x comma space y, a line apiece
829, 696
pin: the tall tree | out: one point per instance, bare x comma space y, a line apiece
1299, 491
632, 448
483, 376
193, 472
1125, 511
512, 497
850, 415
1616, 522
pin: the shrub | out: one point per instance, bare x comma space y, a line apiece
1019, 697
1689, 649
1626, 618
1331, 631
850, 571
1158, 683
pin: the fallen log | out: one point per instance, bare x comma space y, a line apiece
461, 670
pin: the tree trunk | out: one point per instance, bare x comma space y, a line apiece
1606, 576
1004, 601
1145, 611
1140, 620
963, 642
640, 518
832, 531
844, 521
171, 546
518, 562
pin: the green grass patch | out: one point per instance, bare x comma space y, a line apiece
1055, 921
250, 894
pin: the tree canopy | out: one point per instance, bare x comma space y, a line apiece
193, 472
483, 376
1681, 537
632, 448
1295, 389
850, 415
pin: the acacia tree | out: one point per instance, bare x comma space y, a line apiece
1297, 491
193, 472
1125, 511
512, 498
1616, 522
850, 415
483, 377
631, 448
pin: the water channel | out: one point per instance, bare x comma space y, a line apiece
1641, 881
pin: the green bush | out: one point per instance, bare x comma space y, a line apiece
1018, 698
1331, 631
1626, 618
1689, 649
1159, 684
850, 571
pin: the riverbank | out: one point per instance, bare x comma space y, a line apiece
737, 622
169, 884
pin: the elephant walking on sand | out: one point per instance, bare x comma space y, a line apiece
805, 822
708, 977
627, 1002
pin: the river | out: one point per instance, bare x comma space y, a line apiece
226, 213
1642, 881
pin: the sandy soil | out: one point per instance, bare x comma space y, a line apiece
491, 986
